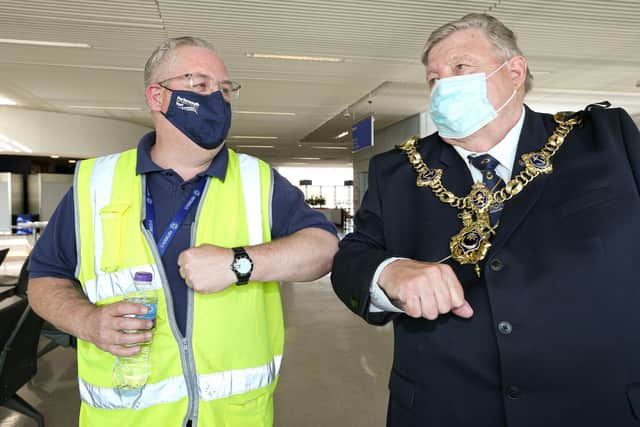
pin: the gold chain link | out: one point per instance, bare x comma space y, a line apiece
511, 188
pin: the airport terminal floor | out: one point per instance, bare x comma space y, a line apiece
334, 373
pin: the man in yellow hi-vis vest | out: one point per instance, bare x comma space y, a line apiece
216, 229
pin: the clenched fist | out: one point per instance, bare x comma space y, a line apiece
424, 289
207, 268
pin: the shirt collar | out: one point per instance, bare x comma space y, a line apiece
217, 168
504, 151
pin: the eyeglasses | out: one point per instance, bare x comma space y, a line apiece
206, 85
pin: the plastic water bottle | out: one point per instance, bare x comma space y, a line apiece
132, 372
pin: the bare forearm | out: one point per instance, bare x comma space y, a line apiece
64, 306
303, 256
60, 303
300, 257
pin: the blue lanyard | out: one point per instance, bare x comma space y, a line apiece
178, 218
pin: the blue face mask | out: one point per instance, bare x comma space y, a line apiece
204, 119
459, 105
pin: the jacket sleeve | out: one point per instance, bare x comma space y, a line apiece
360, 254
631, 139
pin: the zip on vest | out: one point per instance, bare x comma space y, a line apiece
186, 357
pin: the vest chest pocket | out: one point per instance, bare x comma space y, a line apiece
112, 218
256, 412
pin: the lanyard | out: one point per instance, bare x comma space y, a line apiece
178, 218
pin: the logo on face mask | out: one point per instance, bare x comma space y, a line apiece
187, 105
207, 128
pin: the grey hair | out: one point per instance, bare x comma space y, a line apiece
502, 38
166, 52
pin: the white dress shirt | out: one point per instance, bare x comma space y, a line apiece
505, 153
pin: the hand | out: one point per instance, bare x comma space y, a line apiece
424, 289
106, 324
207, 268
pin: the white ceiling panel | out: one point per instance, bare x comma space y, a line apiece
580, 51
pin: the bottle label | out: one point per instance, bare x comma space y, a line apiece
151, 302
151, 314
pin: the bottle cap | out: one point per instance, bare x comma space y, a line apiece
143, 276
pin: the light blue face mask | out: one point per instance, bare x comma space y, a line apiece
459, 105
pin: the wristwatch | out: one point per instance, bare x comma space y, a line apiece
242, 265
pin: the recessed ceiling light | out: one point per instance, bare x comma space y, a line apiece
294, 57
7, 101
306, 158
254, 146
54, 156
253, 137
329, 148
45, 43
71, 161
102, 107
266, 113
81, 66
342, 134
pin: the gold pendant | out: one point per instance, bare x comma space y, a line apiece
471, 244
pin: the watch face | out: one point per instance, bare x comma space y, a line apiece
242, 265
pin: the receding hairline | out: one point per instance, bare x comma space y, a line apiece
500, 53
166, 53
167, 64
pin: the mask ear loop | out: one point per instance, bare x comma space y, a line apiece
497, 69
512, 93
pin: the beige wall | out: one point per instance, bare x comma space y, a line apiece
73, 135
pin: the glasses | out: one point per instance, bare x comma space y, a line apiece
205, 85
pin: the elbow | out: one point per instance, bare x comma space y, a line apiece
331, 250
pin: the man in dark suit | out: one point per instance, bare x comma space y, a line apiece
515, 300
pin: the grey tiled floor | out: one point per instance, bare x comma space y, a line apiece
334, 373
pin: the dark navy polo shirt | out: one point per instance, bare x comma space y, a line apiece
55, 253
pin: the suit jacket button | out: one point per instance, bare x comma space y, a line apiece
496, 264
505, 327
513, 392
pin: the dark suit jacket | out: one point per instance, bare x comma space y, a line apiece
555, 338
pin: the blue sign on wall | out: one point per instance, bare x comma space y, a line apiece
362, 134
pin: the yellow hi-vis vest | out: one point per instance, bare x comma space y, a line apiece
224, 372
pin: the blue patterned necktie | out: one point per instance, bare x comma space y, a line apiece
487, 164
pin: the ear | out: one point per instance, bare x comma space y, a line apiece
518, 70
154, 97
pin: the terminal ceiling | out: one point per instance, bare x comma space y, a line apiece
579, 51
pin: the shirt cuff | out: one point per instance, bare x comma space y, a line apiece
379, 300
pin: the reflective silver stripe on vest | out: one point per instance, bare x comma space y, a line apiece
76, 217
101, 185
238, 381
168, 391
250, 175
211, 387
109, 285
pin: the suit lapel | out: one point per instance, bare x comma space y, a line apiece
533, 136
